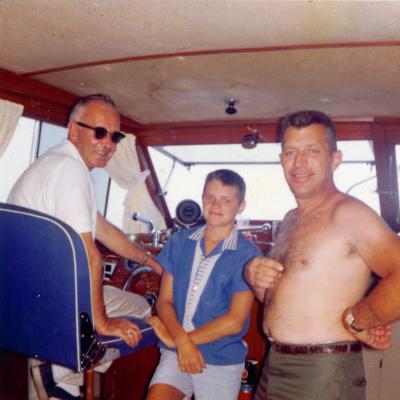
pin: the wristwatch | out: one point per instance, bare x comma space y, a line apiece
351, 322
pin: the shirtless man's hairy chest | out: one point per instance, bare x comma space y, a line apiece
323, 275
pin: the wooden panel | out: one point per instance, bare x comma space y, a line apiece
129, 376
153, 185
13, 376
44, 102
217, 132
255, 337
386, 175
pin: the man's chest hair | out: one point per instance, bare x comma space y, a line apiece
304, 241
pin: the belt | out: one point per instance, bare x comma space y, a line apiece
327, 348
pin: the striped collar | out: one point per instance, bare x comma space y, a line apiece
230, 243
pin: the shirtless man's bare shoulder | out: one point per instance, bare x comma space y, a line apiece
363, 229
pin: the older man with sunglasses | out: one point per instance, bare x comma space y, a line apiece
59, 184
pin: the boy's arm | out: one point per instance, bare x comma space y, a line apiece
166, 309
189, 357
229, 324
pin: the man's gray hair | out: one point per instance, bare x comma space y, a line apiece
83, 101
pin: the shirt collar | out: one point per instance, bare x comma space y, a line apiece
230, 242
74, 152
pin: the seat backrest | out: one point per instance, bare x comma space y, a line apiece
44, 287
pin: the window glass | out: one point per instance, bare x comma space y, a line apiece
181, 171
100, 180
18, 155
115, 208
357, 173
50, 136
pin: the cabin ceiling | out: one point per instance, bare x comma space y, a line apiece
172, 61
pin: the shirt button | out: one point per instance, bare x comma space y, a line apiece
195, 287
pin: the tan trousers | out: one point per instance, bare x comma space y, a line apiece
312, 377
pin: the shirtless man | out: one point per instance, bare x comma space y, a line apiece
314, 282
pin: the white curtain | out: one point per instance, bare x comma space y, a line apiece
9, 116
124, 168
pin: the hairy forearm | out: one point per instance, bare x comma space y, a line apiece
382, 305
96, 282
115, 240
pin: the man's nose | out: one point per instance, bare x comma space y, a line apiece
107, 140
217, 202
301, 158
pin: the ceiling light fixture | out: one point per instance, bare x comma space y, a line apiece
250, 140
231, 109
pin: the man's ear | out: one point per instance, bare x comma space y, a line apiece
242, 206
73, 132
337, 157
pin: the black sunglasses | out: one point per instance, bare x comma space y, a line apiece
101, 132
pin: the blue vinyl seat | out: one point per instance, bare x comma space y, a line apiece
45, 307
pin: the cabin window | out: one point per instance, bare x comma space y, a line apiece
19, 154
268, 196
357, 173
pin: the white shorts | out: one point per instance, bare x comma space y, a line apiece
216, 382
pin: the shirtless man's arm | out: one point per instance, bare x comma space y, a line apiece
262, 273
379, 247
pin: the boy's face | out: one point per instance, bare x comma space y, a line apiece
221, 204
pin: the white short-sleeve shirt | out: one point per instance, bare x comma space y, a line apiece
59, 184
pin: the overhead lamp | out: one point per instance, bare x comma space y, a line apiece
250, 140
231, 109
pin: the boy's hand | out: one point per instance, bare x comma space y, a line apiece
190, 359
161, 331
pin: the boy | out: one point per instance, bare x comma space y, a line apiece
204, 303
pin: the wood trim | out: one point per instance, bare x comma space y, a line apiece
383, 153
215, 52
43, 101
153, 184
217, 132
